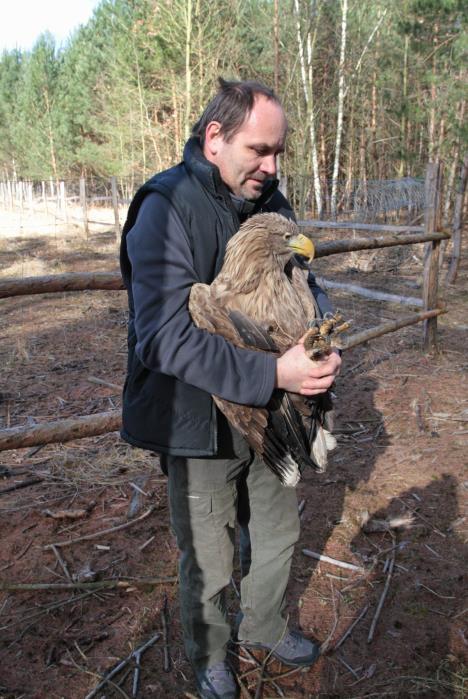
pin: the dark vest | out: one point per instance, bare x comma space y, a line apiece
160, 412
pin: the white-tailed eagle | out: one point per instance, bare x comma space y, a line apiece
261, 300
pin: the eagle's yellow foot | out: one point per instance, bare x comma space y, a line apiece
314, 344
318, 340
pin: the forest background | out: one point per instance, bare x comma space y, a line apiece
374, 89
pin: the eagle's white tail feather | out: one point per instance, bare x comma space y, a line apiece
330, 440
292, 476
323, 443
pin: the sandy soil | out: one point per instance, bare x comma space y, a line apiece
401, 428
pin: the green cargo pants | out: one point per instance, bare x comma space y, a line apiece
206, 496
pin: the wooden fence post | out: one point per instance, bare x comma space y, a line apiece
431, 256
84, 207
115, 204
458, 222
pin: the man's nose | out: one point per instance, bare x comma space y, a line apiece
269, 165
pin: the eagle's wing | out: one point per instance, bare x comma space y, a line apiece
276, 433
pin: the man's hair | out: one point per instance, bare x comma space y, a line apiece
231, 106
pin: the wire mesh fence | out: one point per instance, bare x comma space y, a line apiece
364, 200
360, 200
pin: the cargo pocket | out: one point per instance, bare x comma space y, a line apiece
200, 504
223, 504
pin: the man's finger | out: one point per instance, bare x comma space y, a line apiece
321, 384
313, 392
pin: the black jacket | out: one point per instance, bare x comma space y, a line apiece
175, 235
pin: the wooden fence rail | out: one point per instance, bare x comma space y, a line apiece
112, 281
101, 423
68, 429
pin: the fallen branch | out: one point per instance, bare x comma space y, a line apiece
45, 610
23, 484
101, 382
62, 564
60, 430
95, 675
66, 514
332, 561
324, 646
347, 633
382, 599
437, 594
257, 666
98, 585
70, 281
455, 616
415, 512
94, 535
167, 657
137, 653
348, 667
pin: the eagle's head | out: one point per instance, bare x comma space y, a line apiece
269, 237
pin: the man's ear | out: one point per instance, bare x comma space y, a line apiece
213, 138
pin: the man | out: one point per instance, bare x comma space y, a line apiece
176, 233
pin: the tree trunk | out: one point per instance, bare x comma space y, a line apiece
341, 95
276, 45
453, 167
188, 71
141, 110
403, 123
53, 158
307, 85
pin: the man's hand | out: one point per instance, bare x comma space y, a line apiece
296, 373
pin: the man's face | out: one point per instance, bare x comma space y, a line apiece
249, 157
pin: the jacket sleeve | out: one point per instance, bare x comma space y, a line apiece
323, 302
162, 274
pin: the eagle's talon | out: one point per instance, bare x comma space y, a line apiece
318, 339
313, 322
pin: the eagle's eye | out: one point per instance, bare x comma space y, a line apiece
287, 236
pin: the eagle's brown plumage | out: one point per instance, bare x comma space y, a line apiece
261, 300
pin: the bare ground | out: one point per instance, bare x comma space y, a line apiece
402, 437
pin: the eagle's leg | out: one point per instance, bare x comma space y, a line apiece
314, 344
318, 339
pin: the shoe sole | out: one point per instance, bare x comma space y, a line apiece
290, 663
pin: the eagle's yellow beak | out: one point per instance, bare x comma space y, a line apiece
302, 245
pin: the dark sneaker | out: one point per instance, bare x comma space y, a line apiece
216, 682
292, 649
